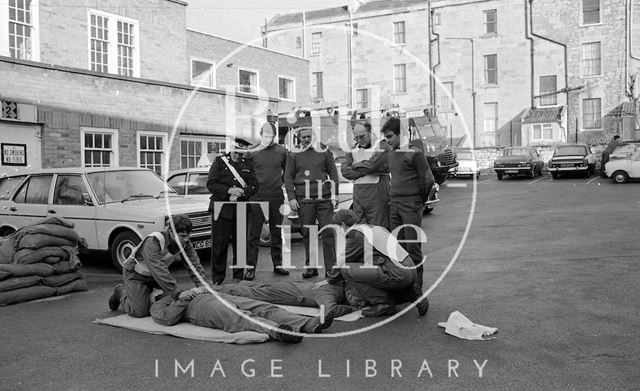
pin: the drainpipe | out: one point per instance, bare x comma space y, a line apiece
629, 27
531, 53
432, 87
566, 65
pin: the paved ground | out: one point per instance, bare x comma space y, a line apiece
552, 264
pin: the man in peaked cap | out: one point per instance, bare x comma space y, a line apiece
231, 180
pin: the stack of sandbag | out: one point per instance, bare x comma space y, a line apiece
40, 261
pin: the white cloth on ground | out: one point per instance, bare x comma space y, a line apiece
460, 326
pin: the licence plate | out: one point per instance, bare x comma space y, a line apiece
511, 171
200, 244
566, 165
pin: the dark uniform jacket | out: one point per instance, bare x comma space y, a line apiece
221, 179
269, 164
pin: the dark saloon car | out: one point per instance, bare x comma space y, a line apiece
518, 161
572, 158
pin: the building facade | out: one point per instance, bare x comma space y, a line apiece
119, 84
504, 72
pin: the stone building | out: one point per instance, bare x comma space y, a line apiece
117, 83
505, 72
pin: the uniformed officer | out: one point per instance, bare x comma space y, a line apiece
231, 179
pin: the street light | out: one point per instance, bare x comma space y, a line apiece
473, 81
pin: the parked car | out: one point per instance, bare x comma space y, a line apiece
624, 163
192, 183
112, 208
467, 165
518, 161
572, 158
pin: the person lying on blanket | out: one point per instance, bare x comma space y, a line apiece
148, 268
394, 270
300, 293
200, 307
338, 299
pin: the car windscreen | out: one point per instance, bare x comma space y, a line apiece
8, 185
116, 186
515, 152
571, 150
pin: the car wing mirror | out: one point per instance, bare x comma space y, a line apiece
86, 199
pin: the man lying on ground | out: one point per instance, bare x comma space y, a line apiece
394, 270
338, 299
300, 293
200, 307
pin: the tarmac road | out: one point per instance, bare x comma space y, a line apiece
552, 264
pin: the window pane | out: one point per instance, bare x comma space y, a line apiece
398, 32
490, 22
38, 189
202, 73
548, 85
400, 78
590, 11
591, 114
491, 69
317, 85
316, 43
591, 59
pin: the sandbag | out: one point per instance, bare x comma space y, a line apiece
19, 282
36, 241
26, 294
57, 280
26, 255
65, 267
4, 275
34, 269
7, 249
54, 220
74, 286
56, 230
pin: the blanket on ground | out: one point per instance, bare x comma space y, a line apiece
183, 330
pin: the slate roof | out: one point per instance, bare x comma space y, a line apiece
325, 13
539, 115
624, 109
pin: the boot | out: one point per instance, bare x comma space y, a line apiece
286, 337
114, 300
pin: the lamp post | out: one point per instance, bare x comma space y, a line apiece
473, 81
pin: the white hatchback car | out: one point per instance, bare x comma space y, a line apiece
624, 163
112, 208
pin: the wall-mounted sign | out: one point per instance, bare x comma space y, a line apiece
14, 154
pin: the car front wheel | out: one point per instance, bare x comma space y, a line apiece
499, 176
620, 177
122, 247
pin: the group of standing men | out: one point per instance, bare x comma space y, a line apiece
391, 184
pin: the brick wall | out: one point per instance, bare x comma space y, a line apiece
68, 99
229, 56
64, 34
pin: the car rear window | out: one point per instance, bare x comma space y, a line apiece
8, 185
571, 150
